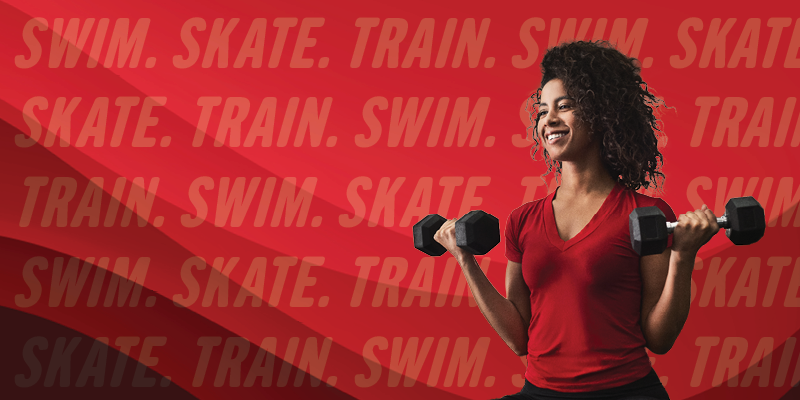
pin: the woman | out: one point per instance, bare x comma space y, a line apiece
581, 303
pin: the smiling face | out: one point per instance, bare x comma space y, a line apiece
560, 131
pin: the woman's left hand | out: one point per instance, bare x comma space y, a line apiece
694, 229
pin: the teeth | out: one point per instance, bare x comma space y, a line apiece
555, 136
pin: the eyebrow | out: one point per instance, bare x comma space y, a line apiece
556, 101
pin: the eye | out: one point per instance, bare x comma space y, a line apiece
564, 106
541, 113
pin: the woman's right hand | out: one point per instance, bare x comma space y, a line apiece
446, 236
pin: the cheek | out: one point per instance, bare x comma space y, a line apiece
570, 120
539, 128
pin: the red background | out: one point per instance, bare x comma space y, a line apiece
385, 236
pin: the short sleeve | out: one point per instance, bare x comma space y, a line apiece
513, 252
667, 210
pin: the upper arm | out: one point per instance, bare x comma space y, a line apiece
517, 291
654, 269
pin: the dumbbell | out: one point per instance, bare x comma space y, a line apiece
743, 221
476, 232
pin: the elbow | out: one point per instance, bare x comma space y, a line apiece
659, 350
660, 341
520, 348
660, 347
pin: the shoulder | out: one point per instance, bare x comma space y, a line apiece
636, 199
528, 208
526, 214
643, 199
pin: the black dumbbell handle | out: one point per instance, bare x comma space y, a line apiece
721, 221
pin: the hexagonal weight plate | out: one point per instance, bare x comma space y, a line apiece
478, 232
423, 235
746, 220
648, 229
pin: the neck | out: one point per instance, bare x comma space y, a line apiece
586, 176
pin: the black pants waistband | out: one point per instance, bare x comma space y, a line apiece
649, 385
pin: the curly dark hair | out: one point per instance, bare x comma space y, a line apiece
615, 102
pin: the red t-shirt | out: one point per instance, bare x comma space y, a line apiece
586, 294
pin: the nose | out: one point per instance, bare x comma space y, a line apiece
552, 118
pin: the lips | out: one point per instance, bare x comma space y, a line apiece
554, 136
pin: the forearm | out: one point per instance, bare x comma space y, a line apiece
668, 316
500, 312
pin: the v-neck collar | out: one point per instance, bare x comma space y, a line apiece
599, 216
